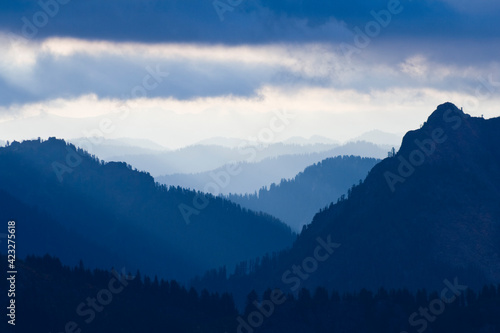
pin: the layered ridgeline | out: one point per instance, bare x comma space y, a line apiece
296, 201
429, 213
69, 204
252, 174
199, 158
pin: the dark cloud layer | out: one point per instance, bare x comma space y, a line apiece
457, 40
246, 21
117, 77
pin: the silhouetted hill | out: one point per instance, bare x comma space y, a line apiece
250, 177
51, 297
39, 233
428, 213
296, 201
171, 232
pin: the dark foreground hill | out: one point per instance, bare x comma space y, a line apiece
77, 207
296, 201
428, 213
51, 297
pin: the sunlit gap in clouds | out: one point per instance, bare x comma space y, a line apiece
177, 94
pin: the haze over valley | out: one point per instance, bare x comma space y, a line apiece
230, 166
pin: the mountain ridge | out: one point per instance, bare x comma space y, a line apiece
121, 209
296, 200
439, 219
253, 176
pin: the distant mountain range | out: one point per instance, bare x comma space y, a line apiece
201, 158
425, 218
119, 142
380, 138
76, 207
205, 155
428, 213
222, 141
315, 139
107, 149
250, 177
297, 200
296, 140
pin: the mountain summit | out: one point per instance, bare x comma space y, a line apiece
428, 213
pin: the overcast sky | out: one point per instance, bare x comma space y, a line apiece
181, 71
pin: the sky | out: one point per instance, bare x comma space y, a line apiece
181, 71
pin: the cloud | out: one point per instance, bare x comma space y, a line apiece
336, 113
60, 69
479, 6
70, 68
244, 22
184, 72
